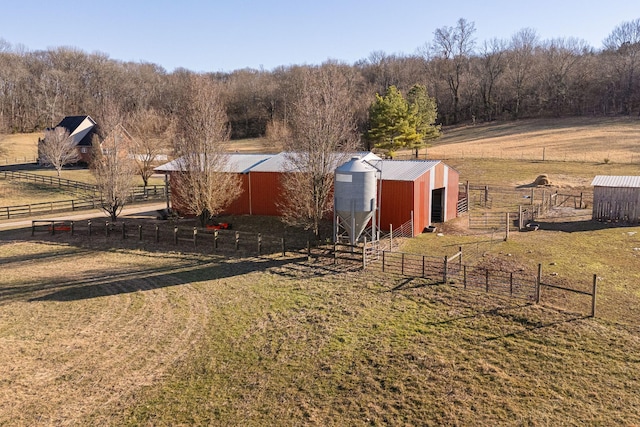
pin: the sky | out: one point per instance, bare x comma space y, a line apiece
222, 36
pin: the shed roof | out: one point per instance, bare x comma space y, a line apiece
616, 181
405, 170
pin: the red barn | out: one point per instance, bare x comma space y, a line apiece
425, 190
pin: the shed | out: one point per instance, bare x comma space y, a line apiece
424, 189
616, 198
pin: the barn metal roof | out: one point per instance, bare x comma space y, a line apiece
238, 163
405, 170
280, 162
616, 181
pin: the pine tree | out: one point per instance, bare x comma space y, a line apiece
397, 123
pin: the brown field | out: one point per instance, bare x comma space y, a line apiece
583, 139
120, 333
20, 148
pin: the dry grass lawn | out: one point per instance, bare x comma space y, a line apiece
19, 148
127, 337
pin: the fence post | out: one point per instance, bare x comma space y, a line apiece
519, 217
364, 254
89, 228
175, 235
486, 279
157, 233
195, 237
593, 295
259, 244
580, 200
283, 248
402, 265
464, 277
215, 239
71, 225
511, 283
140, 232
33, 228
486, 195
538, 281
423, 266
237, 240
308, 250
390, 237
383, 252
506, 235
335, 253
446, 266
460, 257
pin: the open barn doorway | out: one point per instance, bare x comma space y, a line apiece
437, 205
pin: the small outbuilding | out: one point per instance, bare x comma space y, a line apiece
616, 198
423, 190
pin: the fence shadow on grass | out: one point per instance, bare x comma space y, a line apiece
109, 283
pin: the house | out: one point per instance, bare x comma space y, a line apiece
81, 129
616, 198
422, 191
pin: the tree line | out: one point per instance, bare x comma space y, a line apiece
496, 79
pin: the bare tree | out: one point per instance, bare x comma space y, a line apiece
57, 149
113, 166
622, 48
204, 183
152, 132
451, 49
520, 63
323, 132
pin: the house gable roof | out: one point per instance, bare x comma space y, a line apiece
81, 128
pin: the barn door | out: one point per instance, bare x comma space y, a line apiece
437, 205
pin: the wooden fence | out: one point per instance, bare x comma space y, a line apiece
48, 180
450, 270
139, 194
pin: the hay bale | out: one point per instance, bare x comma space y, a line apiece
542, 180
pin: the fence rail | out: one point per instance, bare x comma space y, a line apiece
138, 195
48, 180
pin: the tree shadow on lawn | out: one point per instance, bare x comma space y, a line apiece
579, 226
102, 284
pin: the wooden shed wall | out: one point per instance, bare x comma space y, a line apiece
616, 204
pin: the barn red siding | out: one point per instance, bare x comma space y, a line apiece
396, 203
240, 206
453, 183
266, 188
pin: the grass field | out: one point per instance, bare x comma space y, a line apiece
113, 334
19, 148
128, 337
582, 139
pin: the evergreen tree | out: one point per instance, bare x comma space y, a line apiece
397, 123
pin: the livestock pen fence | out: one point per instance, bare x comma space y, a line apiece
517, 284
502, 208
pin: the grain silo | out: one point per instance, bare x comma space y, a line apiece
355, 201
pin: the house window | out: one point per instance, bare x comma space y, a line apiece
83, 150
